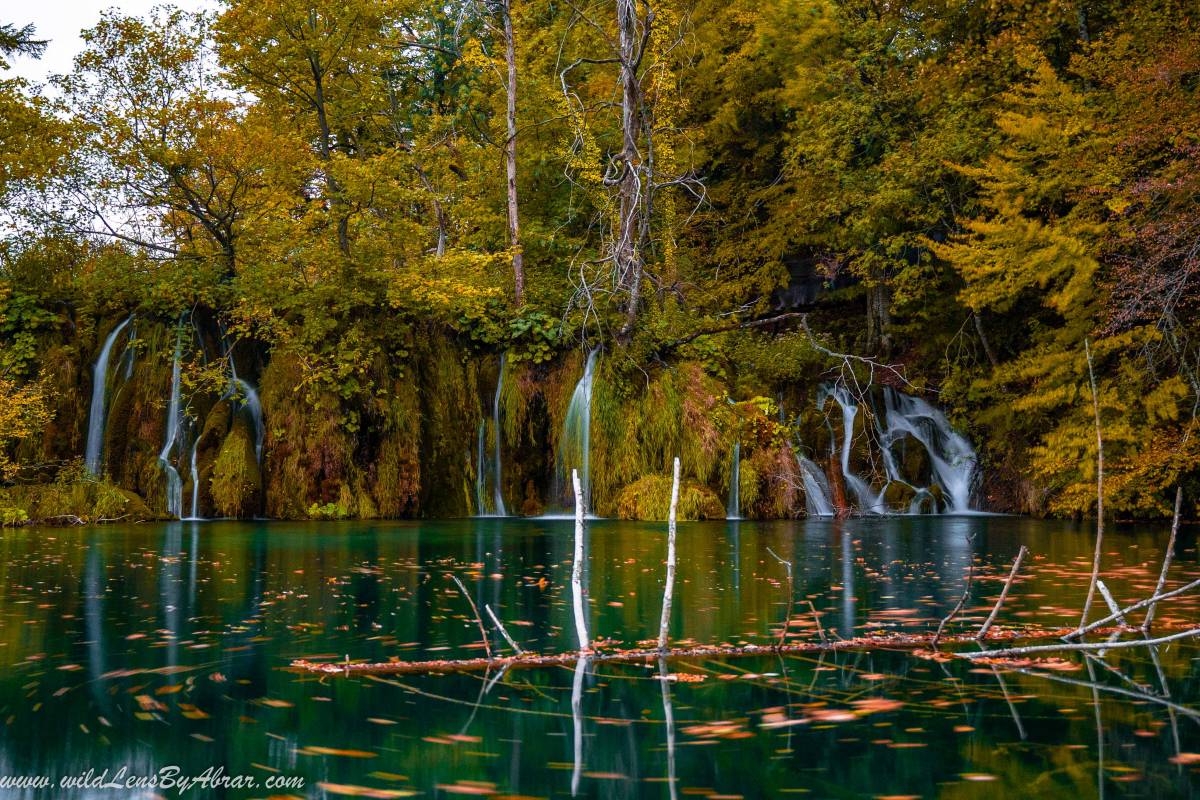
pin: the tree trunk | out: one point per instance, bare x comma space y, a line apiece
510, 158
627, 255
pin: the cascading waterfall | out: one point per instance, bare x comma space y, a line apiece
953, 462
733, 509
817, 497
576, 440
97, 414
174, 426
951, 456
497, 492
870, 502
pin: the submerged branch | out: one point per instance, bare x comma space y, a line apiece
897, 642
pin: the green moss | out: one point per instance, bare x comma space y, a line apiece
235, 482
649, 498
71, 495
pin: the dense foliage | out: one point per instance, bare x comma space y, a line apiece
970, 191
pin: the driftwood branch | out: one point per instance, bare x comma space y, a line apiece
1060, 647
1012, 576
1167, 556
892, 641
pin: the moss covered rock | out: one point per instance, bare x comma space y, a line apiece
649, 498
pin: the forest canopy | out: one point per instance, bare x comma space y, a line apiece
721, 194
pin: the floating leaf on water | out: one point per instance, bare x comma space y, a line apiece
349, 790
315, 750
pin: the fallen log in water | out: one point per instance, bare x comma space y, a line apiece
529, 660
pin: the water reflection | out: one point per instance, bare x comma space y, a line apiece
181, 631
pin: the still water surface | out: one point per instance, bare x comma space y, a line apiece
153, 645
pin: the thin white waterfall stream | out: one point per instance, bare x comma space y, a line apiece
497, 490
480, 468
98, 413
869, 501
817, 497
174, 424
251, 402
575, 444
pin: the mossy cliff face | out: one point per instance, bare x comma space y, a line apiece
409, 446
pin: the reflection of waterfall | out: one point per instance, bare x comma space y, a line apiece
98, 412
733, 509
817, 497
498, 508
576, 441
93, 621
952, 460
173, 435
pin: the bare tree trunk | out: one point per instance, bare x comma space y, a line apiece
987, 345
1087, 605
627, 251
577, 568
510, 158
669, 589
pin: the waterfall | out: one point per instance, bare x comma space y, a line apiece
733, 508
174, 423
195, 482
98, 412
953, 462
249, 401
575, 443
951, 456
480, 469
817, 497
498, 493
869, 501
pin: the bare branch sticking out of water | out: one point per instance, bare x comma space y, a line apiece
503, 631
1167, 556
1087, 604
577, 566
487, 645
961, 601
1153, 599
787, 619
1012, 576
669, 589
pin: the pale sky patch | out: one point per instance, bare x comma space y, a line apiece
60, 21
